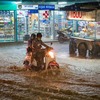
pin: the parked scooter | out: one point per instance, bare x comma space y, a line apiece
64, 36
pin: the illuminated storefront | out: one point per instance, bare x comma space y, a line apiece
16, 21
7, 22
40, 18
27, 20
85, 24
35, 18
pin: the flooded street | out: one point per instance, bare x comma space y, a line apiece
77, 79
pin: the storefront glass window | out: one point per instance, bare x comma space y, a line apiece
27, 23
33, 23
6, 25
46, 23
61, 23
21, 24
60, 20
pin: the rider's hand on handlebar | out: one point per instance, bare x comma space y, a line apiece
49, 48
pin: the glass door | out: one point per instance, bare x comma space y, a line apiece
46, 21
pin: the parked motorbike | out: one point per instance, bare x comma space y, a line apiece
64, 36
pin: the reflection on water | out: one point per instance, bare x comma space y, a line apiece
18, 84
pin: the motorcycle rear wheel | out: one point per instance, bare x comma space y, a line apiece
60, 40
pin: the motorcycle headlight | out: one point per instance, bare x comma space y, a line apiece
51, 54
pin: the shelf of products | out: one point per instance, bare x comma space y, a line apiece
7, 25
21, 25
87, 30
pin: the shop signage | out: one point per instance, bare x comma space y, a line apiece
32, 11
78, 15
46, 14
38, 7
8, 7
45, 21
46, 7
27, 7
74, 14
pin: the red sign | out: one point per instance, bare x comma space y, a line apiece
78, 15
46, 14
74, 14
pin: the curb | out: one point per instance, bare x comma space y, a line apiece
45, 41
10, 43
21, 43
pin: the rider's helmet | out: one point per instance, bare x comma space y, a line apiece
39, 35
33, 36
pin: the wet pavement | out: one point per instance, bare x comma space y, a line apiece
77, 78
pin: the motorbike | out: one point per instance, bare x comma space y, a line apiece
64, 36
46, 60
50, 60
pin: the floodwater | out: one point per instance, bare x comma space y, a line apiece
77, 79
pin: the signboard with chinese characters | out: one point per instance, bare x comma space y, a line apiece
78, 15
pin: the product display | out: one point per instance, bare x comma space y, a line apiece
88, 30
21, 25
6, 25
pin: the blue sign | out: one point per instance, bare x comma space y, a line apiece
46, 7
32, 11
45, 21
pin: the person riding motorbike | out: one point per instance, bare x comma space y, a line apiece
27, 60
30, 44
39, 51
32, 38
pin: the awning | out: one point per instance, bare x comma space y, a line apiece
90, 6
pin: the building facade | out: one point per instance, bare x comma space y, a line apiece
16, 21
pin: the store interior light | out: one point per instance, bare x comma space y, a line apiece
18, 2
62, 3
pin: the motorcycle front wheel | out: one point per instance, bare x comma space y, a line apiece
53, 65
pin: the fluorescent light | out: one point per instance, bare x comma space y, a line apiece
62, 3
19, 2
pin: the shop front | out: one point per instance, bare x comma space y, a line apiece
35, 18
40, 18
85, 39
18, 21
7, 22
27, 20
